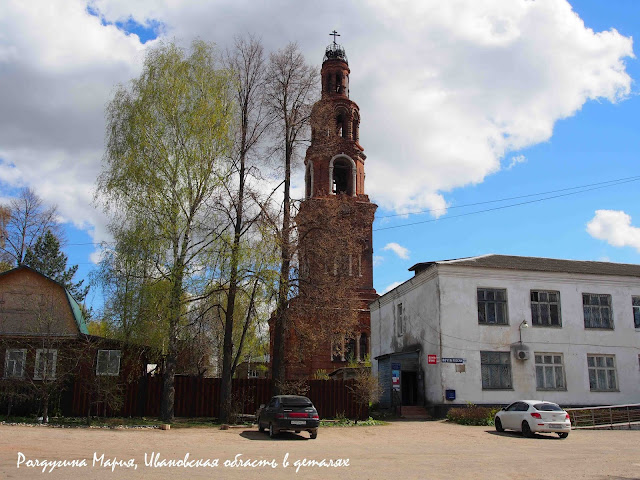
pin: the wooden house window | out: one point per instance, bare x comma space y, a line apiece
45, 368
15, 359
108, 362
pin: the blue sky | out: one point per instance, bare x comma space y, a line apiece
448, 101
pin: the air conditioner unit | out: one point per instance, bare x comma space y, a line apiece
522, 354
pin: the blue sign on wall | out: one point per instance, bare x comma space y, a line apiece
450, 394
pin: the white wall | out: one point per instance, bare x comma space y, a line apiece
442, 316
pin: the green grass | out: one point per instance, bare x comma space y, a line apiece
347, 422
177, 422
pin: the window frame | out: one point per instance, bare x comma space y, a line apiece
554, 367
485, 366
534, 303
50, 370
607, 369
600, 307
400, 319
107, 372
485, 302
635, 310
23, 363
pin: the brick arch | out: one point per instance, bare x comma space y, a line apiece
353, 172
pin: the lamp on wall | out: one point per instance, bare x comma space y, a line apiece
522, 325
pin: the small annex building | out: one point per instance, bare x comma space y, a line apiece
496, 328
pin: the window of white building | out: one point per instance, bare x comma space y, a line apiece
496, 370
14, 361
45, 368
545, 308
597, 310
492, 306
602, 372
399, 320
549, 371
108, 362
635, 302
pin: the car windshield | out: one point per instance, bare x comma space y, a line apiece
547, 407
296, 402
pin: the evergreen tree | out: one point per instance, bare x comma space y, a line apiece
45, 257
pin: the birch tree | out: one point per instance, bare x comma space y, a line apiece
168, 132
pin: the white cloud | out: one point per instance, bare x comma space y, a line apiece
391, 287
377, 260
614, 227
446, 89
516, 160
399, 250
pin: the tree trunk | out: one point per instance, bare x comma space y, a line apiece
168, 376
278, 366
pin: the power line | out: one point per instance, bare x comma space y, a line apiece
596, 186
510, 198
632, 179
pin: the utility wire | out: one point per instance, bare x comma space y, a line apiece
608, 183
509, 198
632, 179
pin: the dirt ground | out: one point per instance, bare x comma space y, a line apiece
403, 449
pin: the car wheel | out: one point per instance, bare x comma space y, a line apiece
563, 434
526, 430
313, 435
260, 427
272, 431
499, 427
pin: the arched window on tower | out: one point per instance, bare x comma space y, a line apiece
308, 180
364, 346
342, 177
338, 83
341, 125
355, 128
350, 350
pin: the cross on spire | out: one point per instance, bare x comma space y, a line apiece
334, 34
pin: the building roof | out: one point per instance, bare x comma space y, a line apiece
512, 262
75, 307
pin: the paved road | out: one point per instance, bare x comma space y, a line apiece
406, 450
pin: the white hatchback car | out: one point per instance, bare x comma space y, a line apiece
529, 416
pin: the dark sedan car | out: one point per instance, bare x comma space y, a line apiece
291, 413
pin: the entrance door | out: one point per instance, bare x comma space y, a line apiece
409, 387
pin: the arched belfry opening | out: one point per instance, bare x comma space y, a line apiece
308, 180
341, 124
343, 176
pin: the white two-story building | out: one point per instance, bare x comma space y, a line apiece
496, 328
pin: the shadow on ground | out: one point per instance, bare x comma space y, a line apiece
518, 435
284, 436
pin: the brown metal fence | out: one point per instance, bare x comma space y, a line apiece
200, 397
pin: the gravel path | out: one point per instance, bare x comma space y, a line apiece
406, 450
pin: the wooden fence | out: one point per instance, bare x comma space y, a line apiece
200, 397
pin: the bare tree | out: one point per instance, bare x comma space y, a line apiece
290, 93
242, 204
29, 218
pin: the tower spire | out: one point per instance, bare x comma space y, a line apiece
334, 34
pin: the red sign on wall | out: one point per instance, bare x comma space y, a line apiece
432, 359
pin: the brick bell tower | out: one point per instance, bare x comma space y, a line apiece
335, 235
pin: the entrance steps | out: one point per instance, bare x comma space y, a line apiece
414, 412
